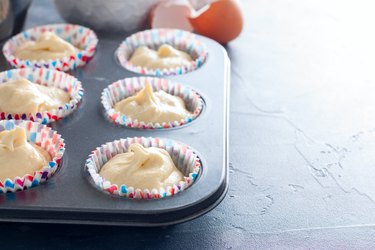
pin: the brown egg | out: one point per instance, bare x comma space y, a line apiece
222, 21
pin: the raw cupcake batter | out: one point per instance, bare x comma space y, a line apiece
23, 96
142, 168
18, 157
148, 106
165, 57
48, 46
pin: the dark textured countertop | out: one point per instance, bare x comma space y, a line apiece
302, 137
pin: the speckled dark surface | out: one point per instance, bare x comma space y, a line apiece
301, 139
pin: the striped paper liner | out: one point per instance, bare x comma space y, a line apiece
184, 158
127, 87
44, 137
81, 37
179, 39
46, 77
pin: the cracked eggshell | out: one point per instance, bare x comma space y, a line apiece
173, 14
198, 4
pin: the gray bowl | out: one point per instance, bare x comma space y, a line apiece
12, 17
108, 16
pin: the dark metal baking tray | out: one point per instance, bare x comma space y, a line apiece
69, 197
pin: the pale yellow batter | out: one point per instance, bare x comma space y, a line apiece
165, 57
149, 106
23, 96
18, 157
142, 168
48, 46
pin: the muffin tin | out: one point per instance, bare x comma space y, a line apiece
69, 197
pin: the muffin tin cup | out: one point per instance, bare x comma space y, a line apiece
127, 87
181, 40
183, 157
81, 37
46, 77
42, 136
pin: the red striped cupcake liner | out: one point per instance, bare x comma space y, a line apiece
127, 87
44, 137
179, 39
46, 77
185, 159
81, 37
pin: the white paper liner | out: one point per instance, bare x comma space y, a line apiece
81, 37
46, 77
185, 159
42, 136
179, 39
127, 87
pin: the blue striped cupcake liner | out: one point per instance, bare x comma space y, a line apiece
44, 137
179, 39
81, 37
127, 87
45, 77
184, 158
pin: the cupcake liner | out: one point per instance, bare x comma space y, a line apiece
181, 40
185, 159
46, 77
124, 88
42, 136
81, 37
